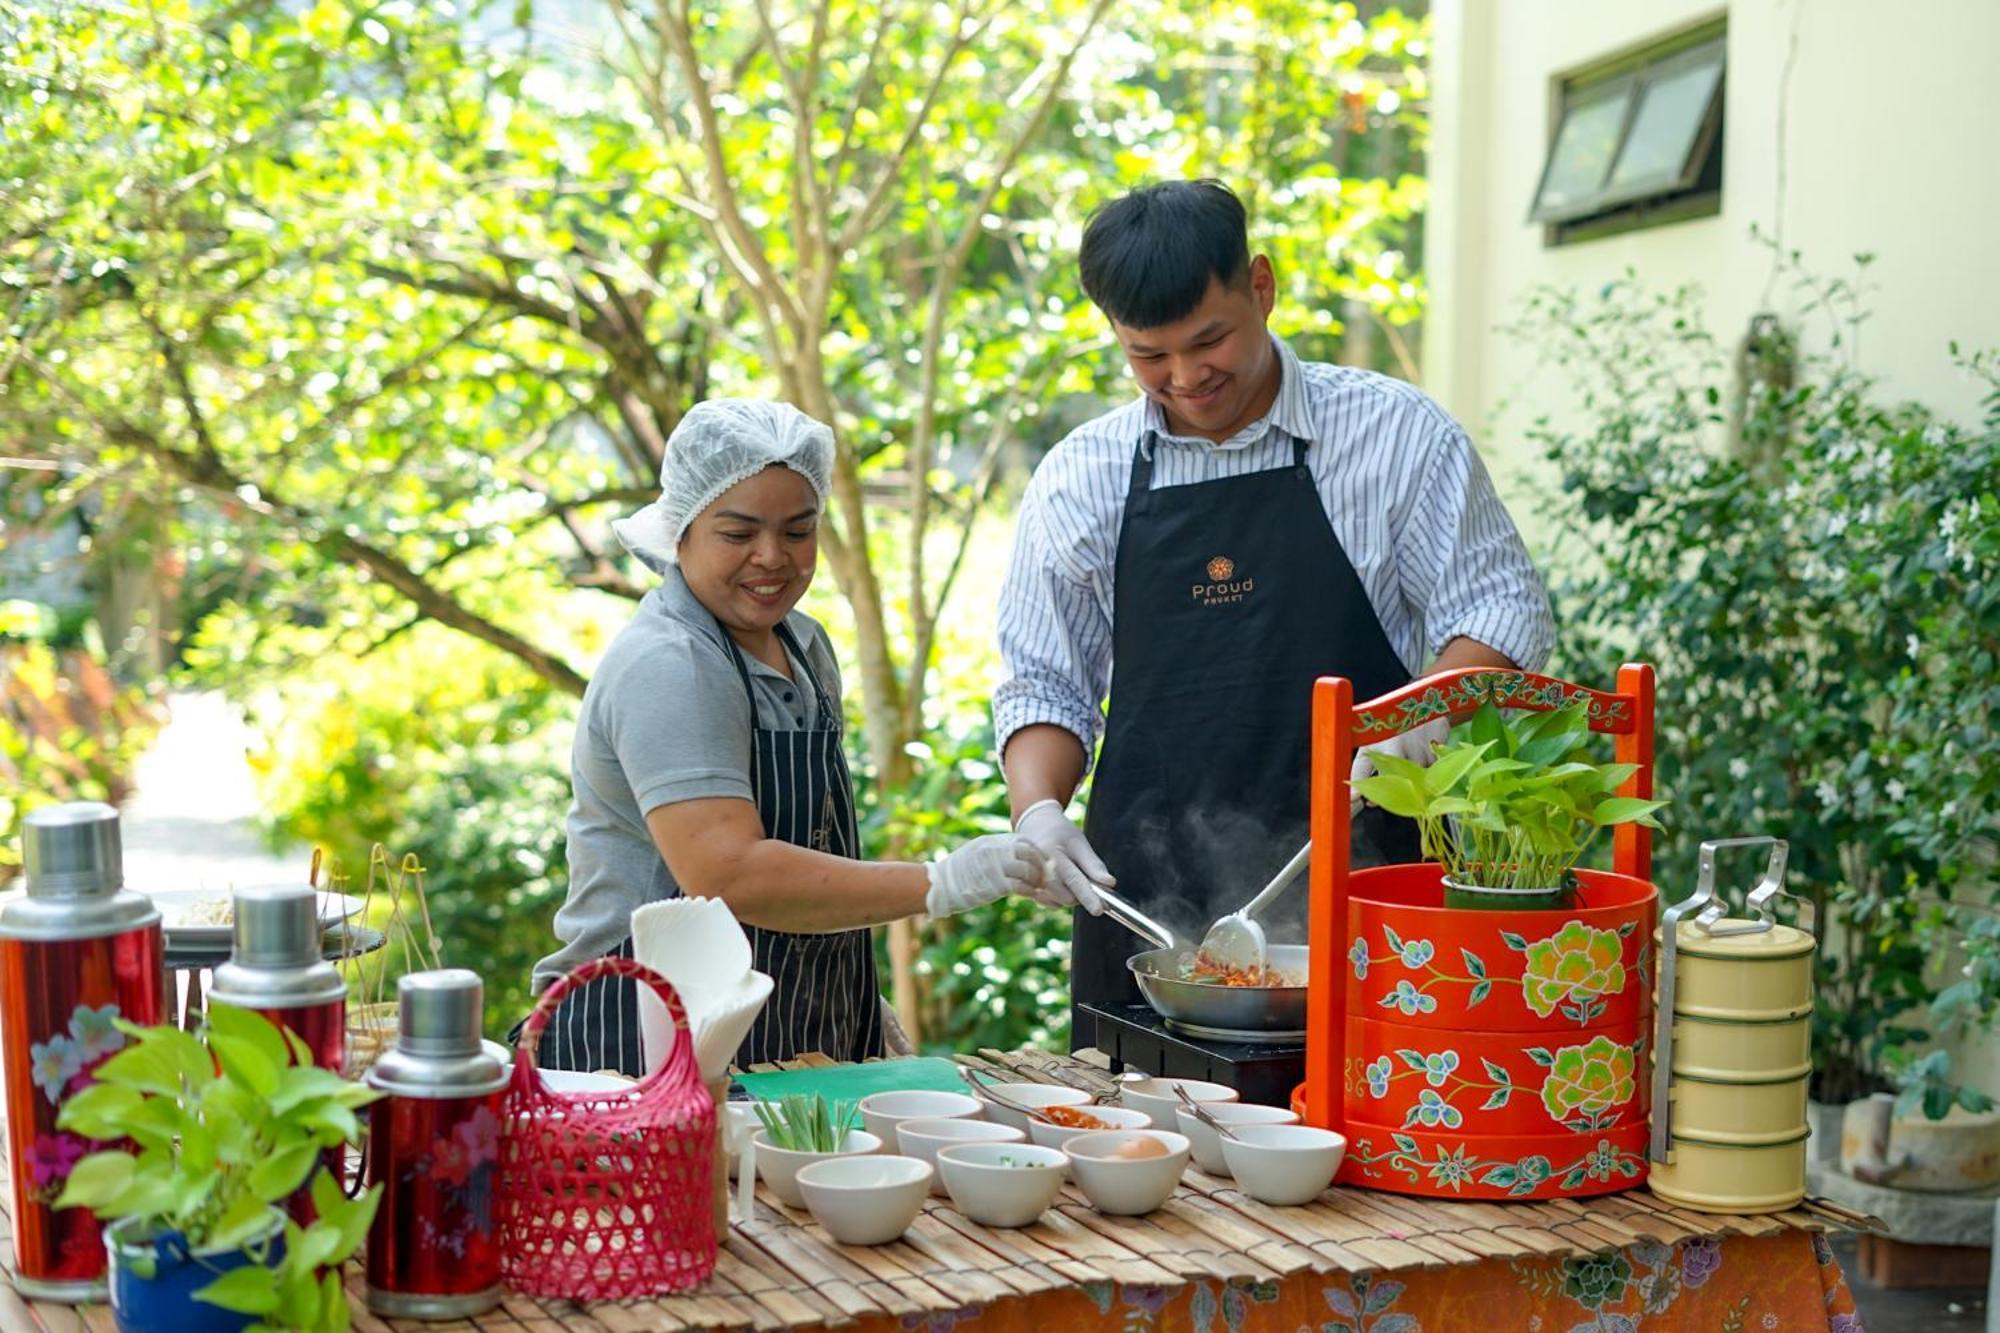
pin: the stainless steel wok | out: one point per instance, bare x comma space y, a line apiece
1232, 1008
1198, 1005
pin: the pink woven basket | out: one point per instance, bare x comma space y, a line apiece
606, 1194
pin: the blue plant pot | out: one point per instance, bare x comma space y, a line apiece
164, 1302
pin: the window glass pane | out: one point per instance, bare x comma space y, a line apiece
1663, 132
1584, 145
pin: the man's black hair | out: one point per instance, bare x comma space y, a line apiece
1147, 258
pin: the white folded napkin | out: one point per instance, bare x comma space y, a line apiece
698, 945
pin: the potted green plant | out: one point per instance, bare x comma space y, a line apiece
223, 1127
1510, 806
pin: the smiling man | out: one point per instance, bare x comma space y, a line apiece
1249, 523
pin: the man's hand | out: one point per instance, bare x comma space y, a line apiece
1418, 745
1075, 872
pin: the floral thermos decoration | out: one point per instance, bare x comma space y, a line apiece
77, 951
1471, 1053
434, 1148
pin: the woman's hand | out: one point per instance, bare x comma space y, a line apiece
985, 870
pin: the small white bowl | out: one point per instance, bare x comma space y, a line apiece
779, 1167
868, 1200
1108, 1117
1284, 1164
1207, 1144
1036, 1095
922, 1139
880, 1111
1002, 1184
1126, 1185
1155, 1096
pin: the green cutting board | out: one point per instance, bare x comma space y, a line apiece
850, 1083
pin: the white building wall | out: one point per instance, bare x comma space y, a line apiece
1890, 144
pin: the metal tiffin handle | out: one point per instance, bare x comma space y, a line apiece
1709, 909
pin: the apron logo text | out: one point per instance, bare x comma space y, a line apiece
1221, 591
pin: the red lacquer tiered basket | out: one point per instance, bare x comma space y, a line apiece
1478, 1054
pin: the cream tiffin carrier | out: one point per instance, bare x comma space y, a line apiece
1734, 1049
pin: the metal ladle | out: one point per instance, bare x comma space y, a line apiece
1236, 941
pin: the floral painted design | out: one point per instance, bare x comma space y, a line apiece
1570, 970
1438, 1067
51, 1157
1365, 1307
1700, 1258
1452, 1169
1433, 1112
465, 1164
52, 1064
1519, 1177
1232, 1302
1379, 1073
1586, 1085
61, 1067
1597, 1280
1408, 1000
1502, 689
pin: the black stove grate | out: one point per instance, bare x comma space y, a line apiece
1135, 1037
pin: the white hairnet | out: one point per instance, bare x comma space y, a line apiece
717, 444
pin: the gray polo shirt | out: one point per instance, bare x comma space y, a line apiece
663, 720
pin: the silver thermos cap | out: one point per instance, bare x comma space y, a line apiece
277, 926
441, 1012
72, 851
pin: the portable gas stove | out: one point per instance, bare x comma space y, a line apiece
1261, 1066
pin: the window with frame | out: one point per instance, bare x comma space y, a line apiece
1637, 140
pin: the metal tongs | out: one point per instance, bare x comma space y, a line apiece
1136, 921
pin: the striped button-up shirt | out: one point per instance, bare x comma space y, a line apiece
1407, 495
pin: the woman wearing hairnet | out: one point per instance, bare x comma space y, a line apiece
708, 761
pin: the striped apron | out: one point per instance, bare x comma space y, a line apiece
825, 996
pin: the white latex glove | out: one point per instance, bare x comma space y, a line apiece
982, 871
1075, 873
1416, 745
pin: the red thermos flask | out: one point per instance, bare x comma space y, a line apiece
434, 1148
76, 951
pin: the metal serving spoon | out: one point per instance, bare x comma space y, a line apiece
1236, 941
1200, 1112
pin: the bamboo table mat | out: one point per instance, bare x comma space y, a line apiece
783, 1271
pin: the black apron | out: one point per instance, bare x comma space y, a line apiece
825, 996
1231, 598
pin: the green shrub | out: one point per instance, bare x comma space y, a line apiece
1816, 574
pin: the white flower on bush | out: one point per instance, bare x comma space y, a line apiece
1913, 644
1739, 768
1829, 795
1895, 790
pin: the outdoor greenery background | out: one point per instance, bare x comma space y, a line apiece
357, 323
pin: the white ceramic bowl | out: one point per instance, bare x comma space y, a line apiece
1207, 1144
779, 1167
1284, 1164
1036, 1095
1001, 1184
922, 1139
1155, 1096
880, 1111
1109, 1117
1127, 1185
867, 1200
